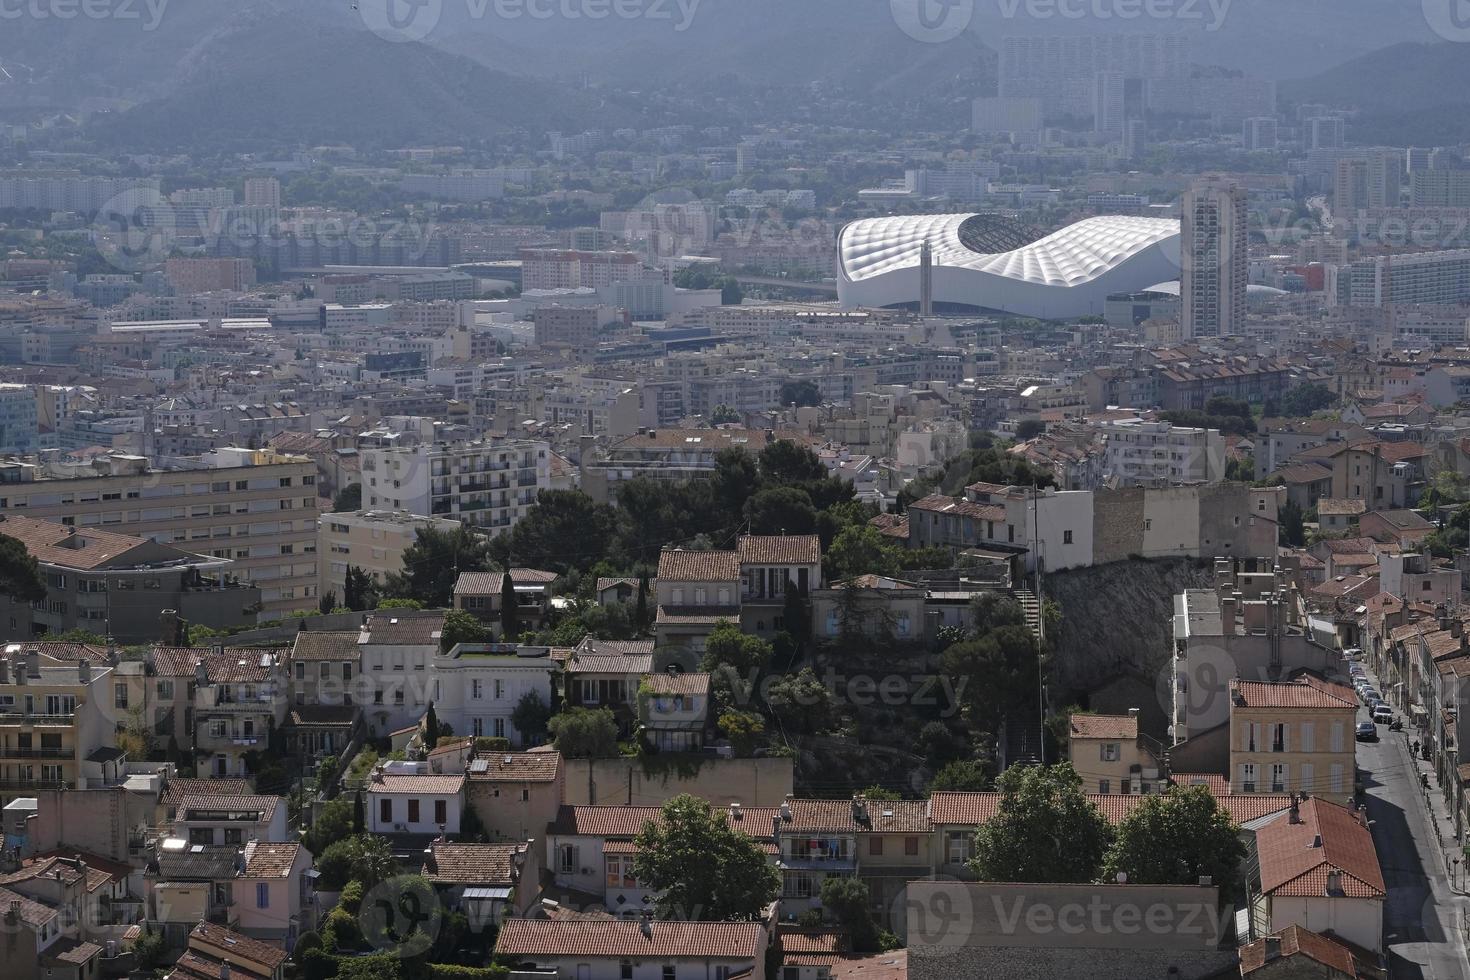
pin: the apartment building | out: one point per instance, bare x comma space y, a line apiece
484, 484
255, 507
769, 566
677, 455
1292, 737
515, 794
116, 585
405, 798
239, 698
481, 593
1140, 452
661, 950
326, 668
57, 708
372, 540
398, 648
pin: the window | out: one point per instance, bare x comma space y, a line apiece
875, 845
413, 811
1278, 777
300, 671
385, 811
1248, 777
262, 895
910, 846
1278, 738
499, 690
475, 689
166, 690
498, 727
1110, 752
1066, 537
567, 859
669, 973
398, 698
625, 970
120, 695
960, 847
1104, 785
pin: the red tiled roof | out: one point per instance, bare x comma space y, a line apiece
1293, 864
787, 549
686, 684
536, 939
1304, 692
266, 860
245, 803
405, 783
220, 938
490, 583
1294, 941
471, 864
1120, 727
698, 566
517, 767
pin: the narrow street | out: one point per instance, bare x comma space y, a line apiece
1423, 928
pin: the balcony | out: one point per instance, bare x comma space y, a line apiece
37, 718
64, 752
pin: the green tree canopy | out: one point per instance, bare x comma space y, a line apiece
1175, 838
20, 574
462, 627
703, 869
1002, 667
1044, 829
962, 776
860, 550
531, 716
781, 510
565, 530
802, 394
364, 858
433, 563
585, 733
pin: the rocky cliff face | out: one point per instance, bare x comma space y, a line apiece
1116, 638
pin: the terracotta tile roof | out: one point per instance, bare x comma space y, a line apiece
899, 816
265, 860
321, 715
941, 504
603, 584
244, 803
72, 547
1349, 546
973, 809
609, 664
234, 947
176, 661
178, 788
893, 965
490, 583
471, 864
591, 644
788, 549
404, 627
698, 566
326, 645
32, 913
696, 685
240, 666
537, 939
63, 869
628, 821
1304, 692
1292, 864
1118, 727
62, 652
696, 615
1296, 941
429, 784
794, 940
71, 952
517, 767
1217, 784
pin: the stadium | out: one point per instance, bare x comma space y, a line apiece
985, 263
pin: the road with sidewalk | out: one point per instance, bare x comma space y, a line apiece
1424, 928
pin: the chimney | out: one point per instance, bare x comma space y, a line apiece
1317, 842
84, 672
4, 671
224, 971
645, 925
33, 663
735, 813
1457, 628
1296, 813
201, 674
1134, 712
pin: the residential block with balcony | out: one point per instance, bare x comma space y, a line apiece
484, 484
239, 699
54, 714
1292, 738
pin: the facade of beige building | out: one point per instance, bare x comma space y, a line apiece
1111, 756
372, 540
1292, 738
255, 507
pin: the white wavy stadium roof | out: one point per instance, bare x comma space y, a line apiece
1075, 254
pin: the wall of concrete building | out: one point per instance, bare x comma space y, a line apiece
1117, 525
91, 820
610, 782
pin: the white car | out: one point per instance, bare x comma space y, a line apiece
1353, 653
1383, 714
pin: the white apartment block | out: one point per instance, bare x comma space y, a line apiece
372, 540
1140, 452
255, 507
478, 686
486, 484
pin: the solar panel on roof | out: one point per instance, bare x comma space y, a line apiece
480, 765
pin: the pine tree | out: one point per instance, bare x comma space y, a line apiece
431, 727
510, 613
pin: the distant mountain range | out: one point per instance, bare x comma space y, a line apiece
248, 70
1405, 95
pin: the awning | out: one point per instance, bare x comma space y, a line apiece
487, 893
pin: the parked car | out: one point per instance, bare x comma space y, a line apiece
1353, 653
1370, 694
1357, 671
1367, 731
1383, 714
